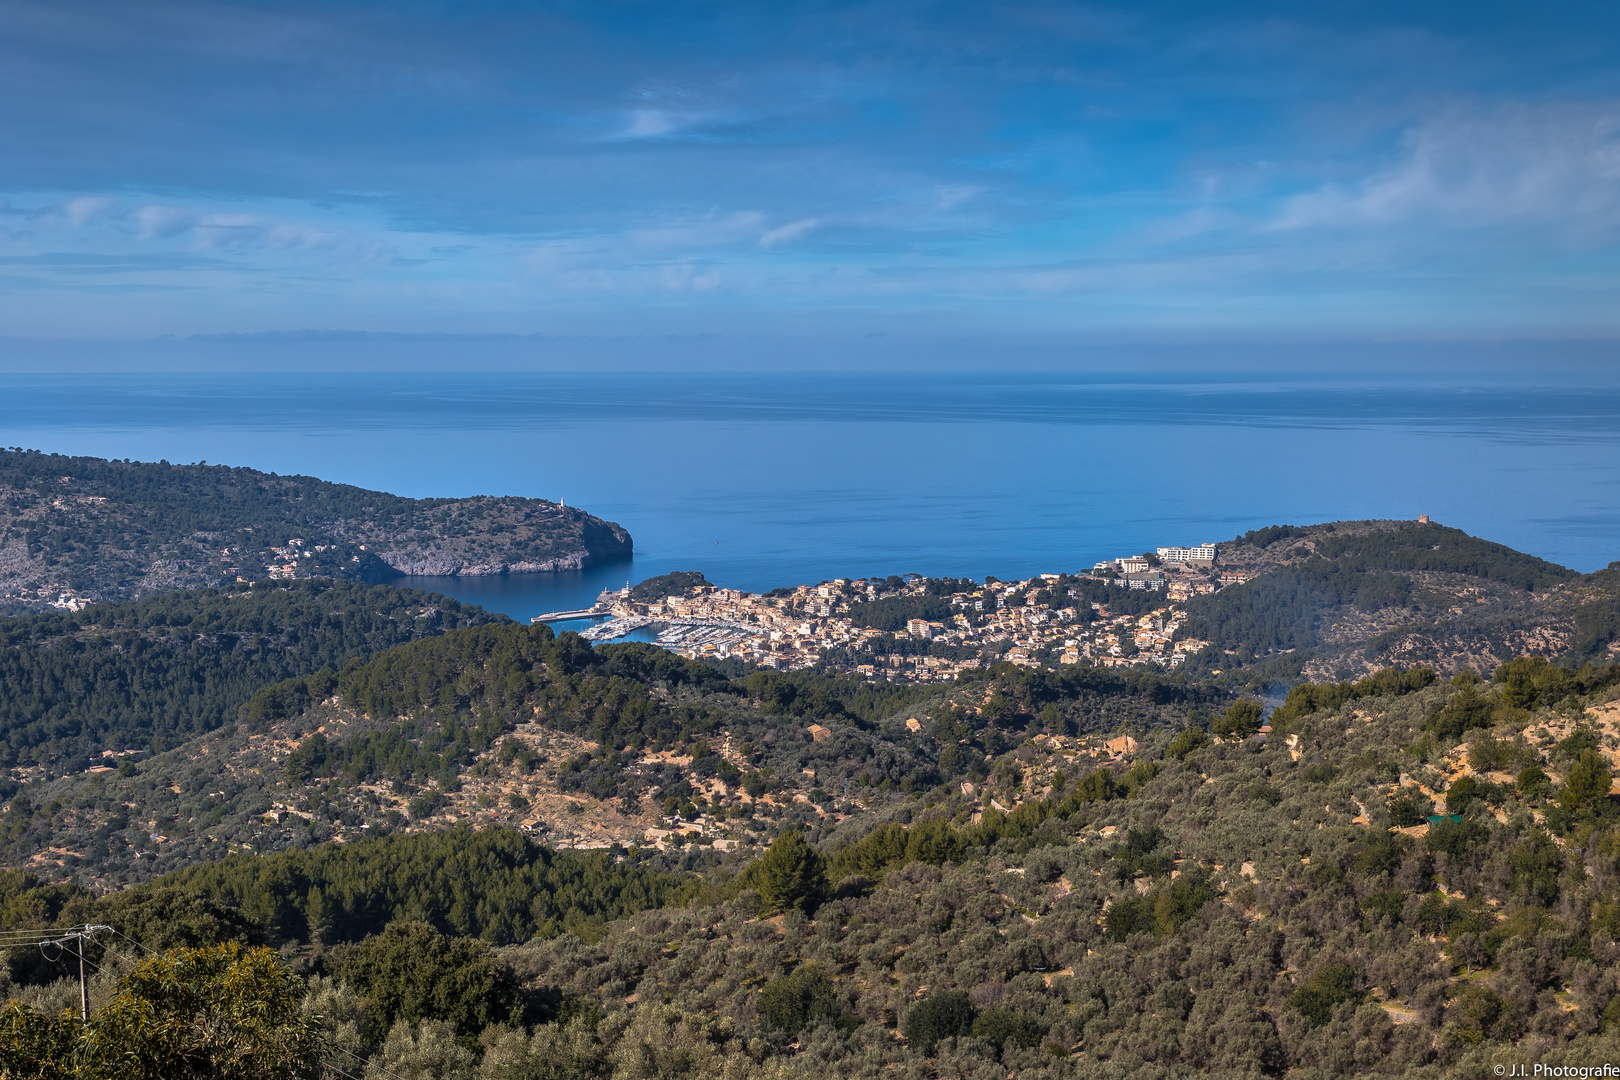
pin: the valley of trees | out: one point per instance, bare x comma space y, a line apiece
495, 884
1597, 620
1284, 609
1400, 874
456, 694
152, 673
1405, 876
443, 705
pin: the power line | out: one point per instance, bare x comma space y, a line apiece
93, 964
334, 1046
368, 1064
132, 941
78, 935
60, 936
125, 957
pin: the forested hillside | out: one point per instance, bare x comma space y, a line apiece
352, 804
110, 530
1383, 546
1344, 598
507, 724
498, 885
149, 674
1250, 905
1403, 876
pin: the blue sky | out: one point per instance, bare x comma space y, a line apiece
1055, 174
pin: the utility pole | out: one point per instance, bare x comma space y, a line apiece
84, 987
79, 937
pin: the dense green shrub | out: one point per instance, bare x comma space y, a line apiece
791, 1002
1533, 781
1003, 1027
1329, 985
1467, 711
943, 1014
1463, 793
1380, 853
410, 971
1457, 839
1186, 742
1487, 753
1408, 810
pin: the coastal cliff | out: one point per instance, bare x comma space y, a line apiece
484, 536
75, 530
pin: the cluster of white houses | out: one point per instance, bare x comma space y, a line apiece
999, 620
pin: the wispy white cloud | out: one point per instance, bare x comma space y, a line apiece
86, 208
164, 222
249, 233
685, 254
649, 124
785, 162
791, 231
951, 196
139, 237
694, 234
1555, 166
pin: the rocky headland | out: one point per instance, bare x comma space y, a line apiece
75, 530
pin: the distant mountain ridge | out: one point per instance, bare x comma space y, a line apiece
115, 530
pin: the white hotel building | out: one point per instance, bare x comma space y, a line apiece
1202, 553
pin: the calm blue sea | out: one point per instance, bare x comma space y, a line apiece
766, 480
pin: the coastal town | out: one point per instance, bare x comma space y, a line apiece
916, 629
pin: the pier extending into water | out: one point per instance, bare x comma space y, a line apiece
564, 616
677, 633
615, 628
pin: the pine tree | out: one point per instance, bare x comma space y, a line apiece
792, 874
318, 915
1240, 721
1589, 780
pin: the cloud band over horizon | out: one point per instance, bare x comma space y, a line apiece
1047, 171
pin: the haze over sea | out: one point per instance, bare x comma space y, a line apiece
765, 480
